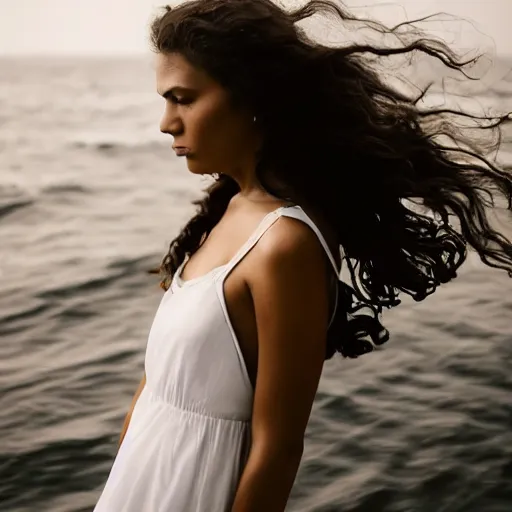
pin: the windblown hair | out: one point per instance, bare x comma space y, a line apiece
382, 153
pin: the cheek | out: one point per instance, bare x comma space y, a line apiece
215, 131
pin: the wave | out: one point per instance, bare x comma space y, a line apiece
66, 188
6, 209
65, 465
108, 146
13, 198
110, 141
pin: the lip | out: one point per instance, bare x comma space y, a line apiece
181, 151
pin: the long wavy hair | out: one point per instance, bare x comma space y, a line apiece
382, 154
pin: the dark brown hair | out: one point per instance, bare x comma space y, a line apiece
381, 152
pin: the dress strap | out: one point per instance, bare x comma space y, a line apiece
298, 213
260, 230
294, 211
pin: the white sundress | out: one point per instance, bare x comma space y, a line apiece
189, 435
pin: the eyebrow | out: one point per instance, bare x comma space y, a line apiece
174, 90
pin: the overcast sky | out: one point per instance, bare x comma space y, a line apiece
120, 26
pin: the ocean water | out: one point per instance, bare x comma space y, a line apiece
90, 196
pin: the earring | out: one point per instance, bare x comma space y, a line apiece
254, 119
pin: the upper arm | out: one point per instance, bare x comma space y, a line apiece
289, 291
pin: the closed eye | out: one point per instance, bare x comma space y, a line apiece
170, 95
179, 101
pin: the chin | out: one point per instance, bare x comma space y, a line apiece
198, 169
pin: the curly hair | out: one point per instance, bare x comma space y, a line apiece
382, 153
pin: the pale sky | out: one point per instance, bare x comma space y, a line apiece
120, 26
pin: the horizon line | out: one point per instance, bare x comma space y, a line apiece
128, 54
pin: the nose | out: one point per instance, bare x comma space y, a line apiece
171, 123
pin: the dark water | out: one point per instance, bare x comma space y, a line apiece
90, 196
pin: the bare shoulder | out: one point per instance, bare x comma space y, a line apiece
289, 243
288, 269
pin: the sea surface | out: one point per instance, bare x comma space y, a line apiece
91, 194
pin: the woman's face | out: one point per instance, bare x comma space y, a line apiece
200, 117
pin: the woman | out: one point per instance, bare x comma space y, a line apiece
310, 152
